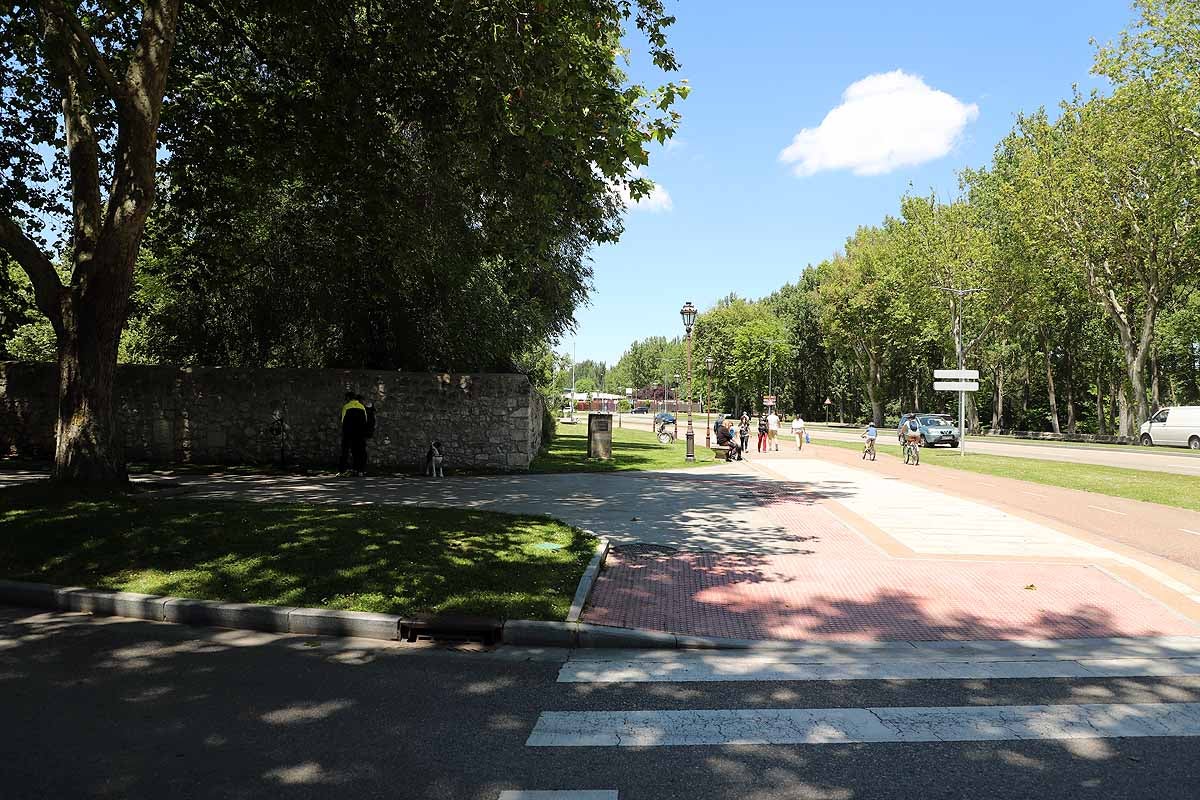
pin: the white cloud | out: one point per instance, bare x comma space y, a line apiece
885, 122
657, 202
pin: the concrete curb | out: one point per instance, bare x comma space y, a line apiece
331, 622
244, 616
588, 580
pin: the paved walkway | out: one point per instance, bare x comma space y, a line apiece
844, 586
717, 509
802, 547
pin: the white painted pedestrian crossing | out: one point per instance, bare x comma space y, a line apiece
1122, 657
768, 668
863, 725
586, 794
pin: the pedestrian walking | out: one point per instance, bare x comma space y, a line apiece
773, 430
798, 432
762, 432
354, 436
744, 431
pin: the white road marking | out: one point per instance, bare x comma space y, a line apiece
1033, 494
1193, 533
851, 725
585, 794
1109, 510
766, 668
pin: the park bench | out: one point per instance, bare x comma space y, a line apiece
456, 627
720, 451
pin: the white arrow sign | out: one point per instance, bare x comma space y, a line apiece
957, 374
955, 386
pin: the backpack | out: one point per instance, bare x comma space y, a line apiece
913, 425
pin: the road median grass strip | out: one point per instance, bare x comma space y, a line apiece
631, 449
1181, 491
389, 559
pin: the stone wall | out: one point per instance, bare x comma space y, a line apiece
226, 416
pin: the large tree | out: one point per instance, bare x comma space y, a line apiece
412, 184
88, 81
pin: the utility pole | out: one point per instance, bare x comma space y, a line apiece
956, 313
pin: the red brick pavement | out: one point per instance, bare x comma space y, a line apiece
839, 586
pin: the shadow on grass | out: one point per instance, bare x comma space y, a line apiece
389, 559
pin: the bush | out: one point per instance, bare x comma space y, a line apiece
549, 422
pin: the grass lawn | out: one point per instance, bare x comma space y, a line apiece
632, 450
395, 559
1182, 491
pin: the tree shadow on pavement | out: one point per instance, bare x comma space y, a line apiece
725, 513
119, 708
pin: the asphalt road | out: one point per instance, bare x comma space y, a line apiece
1176, 460
118, 708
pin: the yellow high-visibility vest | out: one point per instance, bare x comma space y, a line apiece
352, 404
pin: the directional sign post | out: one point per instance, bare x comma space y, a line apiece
961, 381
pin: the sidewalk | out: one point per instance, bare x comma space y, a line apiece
886, 560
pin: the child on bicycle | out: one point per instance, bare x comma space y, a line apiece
870, 434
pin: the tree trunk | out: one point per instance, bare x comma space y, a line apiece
1069, 381
875, 386
1123, 410
1155, 378
88, 443
1050, 385
1101, 414
1023, 421
972, 413
998, 401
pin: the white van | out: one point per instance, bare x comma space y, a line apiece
1177, 425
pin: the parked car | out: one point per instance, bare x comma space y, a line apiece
664, 416
1175, 425
935, 429
641, 410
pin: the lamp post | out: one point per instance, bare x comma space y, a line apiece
688, 314
828, 403
708, 364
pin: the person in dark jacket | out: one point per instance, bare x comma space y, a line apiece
725, 439
354, 435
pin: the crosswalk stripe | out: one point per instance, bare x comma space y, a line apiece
585, 794
716, 668
863, 725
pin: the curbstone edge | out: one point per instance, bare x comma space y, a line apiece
112, 604
248, 616
588, 580
330, 622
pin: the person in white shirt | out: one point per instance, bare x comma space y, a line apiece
798, 432
772, 430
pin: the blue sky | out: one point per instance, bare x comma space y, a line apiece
740, 220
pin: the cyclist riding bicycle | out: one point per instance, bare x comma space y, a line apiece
912, 430
870, 434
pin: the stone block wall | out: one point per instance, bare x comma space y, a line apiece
213, 415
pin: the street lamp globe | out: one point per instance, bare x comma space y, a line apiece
688, 313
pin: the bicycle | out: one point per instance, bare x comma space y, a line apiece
869, 450
665, 436
912, 453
